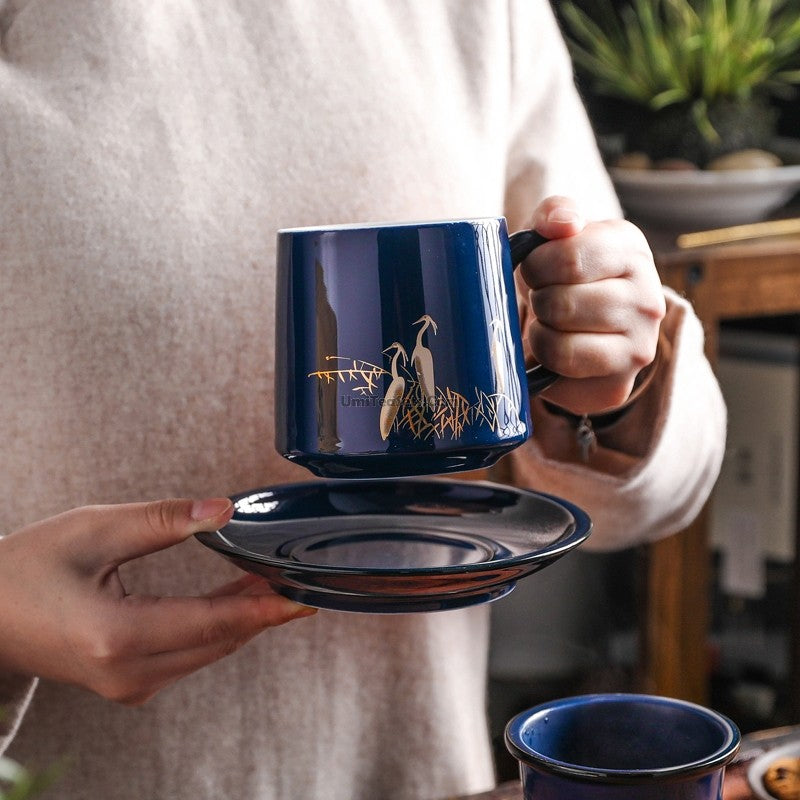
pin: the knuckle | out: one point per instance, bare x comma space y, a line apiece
555, 351
644, 344
639, 362
554, 306
617, 398
92, 518
107, 648
659, 308
651, 302
160, 515
644, 356
569, 266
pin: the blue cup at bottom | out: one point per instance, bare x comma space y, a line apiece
621, 747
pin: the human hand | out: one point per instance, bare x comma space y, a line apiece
65, 614
597, 304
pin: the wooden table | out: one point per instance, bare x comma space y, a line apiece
748, 279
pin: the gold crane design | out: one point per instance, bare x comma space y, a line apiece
394, 394
428, 410
422, 359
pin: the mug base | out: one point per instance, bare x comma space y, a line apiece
398, 465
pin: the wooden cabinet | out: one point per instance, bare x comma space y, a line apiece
751, 279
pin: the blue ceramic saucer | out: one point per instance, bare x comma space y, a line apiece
394, 546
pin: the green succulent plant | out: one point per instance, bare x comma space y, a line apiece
696, 55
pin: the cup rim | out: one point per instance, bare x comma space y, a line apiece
520, 723
374, 225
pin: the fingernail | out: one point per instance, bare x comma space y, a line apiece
208, 509
563, 214
305, 611
289, 611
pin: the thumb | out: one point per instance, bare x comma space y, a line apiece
558, 217
114, 534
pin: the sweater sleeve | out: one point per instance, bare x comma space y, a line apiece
650, 473
16, 692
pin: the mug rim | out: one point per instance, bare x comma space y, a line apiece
529, 757
355, 226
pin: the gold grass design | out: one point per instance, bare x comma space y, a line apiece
449, 412
496, 411
360, 370
444, 417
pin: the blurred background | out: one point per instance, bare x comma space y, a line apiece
594, 622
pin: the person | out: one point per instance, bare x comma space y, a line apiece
150, 153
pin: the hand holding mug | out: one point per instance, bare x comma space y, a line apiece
597, 304
398, 348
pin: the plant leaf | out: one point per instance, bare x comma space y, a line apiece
660, 52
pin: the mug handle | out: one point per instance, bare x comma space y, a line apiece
522, 244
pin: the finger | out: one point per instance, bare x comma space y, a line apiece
601, 307
112, 534
558, 217
613, 249
137, 680
154, 672
584, 355
247, 584
591, 395
169, 654
171, 624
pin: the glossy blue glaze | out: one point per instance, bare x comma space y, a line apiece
396, 546
620, 746
412, 321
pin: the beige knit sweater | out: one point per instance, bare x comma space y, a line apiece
148, 153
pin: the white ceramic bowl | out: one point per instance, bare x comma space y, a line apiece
697, 199
756, 770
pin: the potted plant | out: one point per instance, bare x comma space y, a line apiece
697, 76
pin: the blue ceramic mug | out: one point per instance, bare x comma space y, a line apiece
622, 747
398, 347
